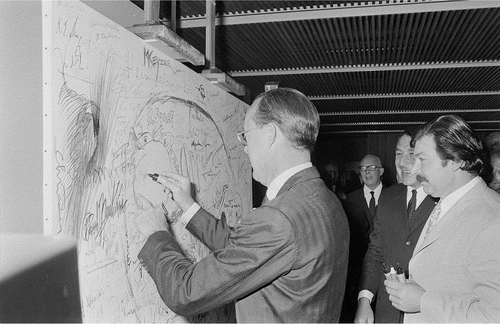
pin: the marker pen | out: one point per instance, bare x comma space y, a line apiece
387, 272
394, 276
160, 178
400, 274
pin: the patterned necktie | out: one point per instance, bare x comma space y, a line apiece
412, 204
372, 203
433, 218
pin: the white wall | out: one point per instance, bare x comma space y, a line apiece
21, 106
21, 166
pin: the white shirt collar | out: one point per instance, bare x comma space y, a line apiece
376, 193
450, 200
445, 204
420, 195
279, 181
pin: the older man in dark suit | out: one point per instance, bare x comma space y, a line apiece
366, 198
401, 215
285, 261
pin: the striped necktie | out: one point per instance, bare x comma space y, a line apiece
433, 218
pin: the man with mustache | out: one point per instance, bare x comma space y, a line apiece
455, 268
401, 215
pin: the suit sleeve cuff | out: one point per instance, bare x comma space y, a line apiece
186, 217
367, 294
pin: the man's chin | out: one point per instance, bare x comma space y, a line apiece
428, 189
410, 181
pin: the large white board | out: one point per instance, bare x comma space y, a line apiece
116, 109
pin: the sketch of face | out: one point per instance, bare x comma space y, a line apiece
405, 161
153, 158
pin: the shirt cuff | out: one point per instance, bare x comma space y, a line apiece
367, 294
186, 217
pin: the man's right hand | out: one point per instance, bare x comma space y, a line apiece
364, 314
180, 187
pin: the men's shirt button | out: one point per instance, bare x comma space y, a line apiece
408, 243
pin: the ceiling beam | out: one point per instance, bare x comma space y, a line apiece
339, 11
372, 131
407, 112
400, 123
406, 95
365, 131
366, 68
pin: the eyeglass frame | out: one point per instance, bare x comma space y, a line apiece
370, 168
241, 135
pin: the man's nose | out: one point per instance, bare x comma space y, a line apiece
416, 167
404, 159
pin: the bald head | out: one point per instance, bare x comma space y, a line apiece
371, 170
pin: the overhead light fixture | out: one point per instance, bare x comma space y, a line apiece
163, 38
168, 42
223, 81
271, 85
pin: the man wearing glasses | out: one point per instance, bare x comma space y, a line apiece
366, 198
285, 261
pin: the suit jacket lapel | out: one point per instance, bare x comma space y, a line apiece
422, 213
400, 205
452, 219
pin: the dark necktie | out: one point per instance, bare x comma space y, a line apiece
372, 204
412, 204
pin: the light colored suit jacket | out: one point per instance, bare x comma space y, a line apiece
285, 261
458, 263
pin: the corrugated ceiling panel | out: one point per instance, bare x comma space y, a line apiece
391, 39
197, 7
385, 82
410, 105
439, 37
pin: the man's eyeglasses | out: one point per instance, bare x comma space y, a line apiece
368, 167
242, 137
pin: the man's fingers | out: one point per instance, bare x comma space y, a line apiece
142, 202
175, 182
180, 179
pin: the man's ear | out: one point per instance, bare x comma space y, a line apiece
455, 166
271, 133
381, 171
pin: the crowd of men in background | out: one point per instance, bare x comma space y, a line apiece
424, 250
386, 222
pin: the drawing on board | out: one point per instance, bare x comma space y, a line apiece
118, 109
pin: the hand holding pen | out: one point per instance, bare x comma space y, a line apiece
179, 186
392, 274
404, 296
404, 293
148, 218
